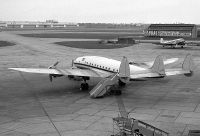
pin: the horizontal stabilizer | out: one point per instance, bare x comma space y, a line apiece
187, 67
177, 71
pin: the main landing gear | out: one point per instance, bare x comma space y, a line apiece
85, 86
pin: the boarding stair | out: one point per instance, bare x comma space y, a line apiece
103, 86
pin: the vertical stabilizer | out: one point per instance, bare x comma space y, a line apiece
124, 69
158, 66
188, 63
161, 40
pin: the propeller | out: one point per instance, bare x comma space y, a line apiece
72, 63
52, 67
50, 77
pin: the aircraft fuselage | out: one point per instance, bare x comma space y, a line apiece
102, 63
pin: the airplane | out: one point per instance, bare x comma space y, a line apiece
112, 72
173, 43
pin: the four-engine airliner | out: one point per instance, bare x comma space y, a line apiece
112, 71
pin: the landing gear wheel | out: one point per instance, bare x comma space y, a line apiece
121, 83
84, 86
118, 92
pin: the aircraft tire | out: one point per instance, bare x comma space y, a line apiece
121, 83
118, 92
84, 86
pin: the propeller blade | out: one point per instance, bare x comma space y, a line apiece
50, 77
54, 65
72, 63
50, 67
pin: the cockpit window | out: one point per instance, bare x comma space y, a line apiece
83, 59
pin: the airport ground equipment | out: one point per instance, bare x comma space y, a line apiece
123, 125
194, 133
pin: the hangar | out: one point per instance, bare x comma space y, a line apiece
172, 30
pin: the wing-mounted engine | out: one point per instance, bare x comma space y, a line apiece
51, 76
75, 78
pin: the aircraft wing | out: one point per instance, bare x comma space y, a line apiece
74, 72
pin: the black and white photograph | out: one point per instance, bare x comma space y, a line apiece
99, 68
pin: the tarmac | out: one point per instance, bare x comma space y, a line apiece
31, 105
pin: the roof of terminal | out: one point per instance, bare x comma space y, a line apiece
171, 26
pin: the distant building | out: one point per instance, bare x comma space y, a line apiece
3, 25
172, 30
51, 21
14, 26
125, 40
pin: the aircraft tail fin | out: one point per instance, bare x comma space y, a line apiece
188, 64
161, 40
158, 66
124, 69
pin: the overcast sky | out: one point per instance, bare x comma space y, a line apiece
102, 11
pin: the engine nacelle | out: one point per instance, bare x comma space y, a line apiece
75, 78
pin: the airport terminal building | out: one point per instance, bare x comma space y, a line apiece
172, 30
